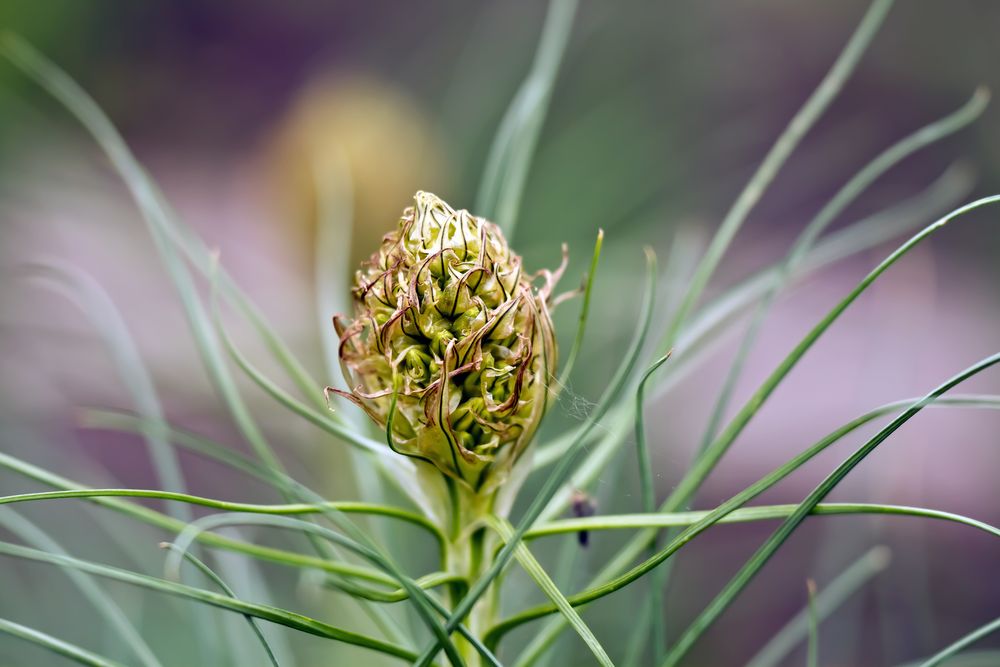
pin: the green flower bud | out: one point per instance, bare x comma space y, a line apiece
451, 347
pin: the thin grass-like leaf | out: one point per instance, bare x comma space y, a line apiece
347, 507
706, 329
506, 171
969, 639
826, 602
574, 350
168, 523
757, 561
775, 159
283, 617
416, 593
854, 187
613, 576
748, 514
812, 651
105, 605
63, 648
647, 493
217, 580
717, 448
545, 583
559, 475
83, 291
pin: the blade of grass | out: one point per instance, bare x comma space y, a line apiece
63, 648
854, 187
969, 639
812, 655
584, 311
706, 329
547, 586
168, 523
84, 292
346, 507
846, 584
283, 617
559, 475
747, 514
614, 575
757, 561
718, 447
217, 580
506, 170
648, 495
800, 124
105, 605
83, 107
416, 593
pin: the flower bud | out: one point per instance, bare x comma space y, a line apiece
451, 347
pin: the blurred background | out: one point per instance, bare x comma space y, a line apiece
659, 116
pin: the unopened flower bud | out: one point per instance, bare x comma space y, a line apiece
451, 347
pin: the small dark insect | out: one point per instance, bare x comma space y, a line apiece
583, 506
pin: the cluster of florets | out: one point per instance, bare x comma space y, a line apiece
451, 347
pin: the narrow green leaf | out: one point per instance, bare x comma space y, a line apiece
63, 648
274, 614
775, 159
574, 350
506, 171
84, 292
757, 561
217, 580
834, 594
160, 520
718, 447
416, 593
854, 187
971, 638
708, 328
647, 493
105, 605
547, 586
618, 572
745, 515
812, 655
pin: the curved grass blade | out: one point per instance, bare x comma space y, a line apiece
105, 605
708, 327
757, 561
718, 447
647, 493
217, 580
617, 573
559, 475
806, 117
84, 292
347, 507
967, 640
854, 187
545, 583
63, 648
499, 196
416, 593
81, 105
574, 351
812, 655
826, 602
749, 514
168, 523
114, 420
274, 614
